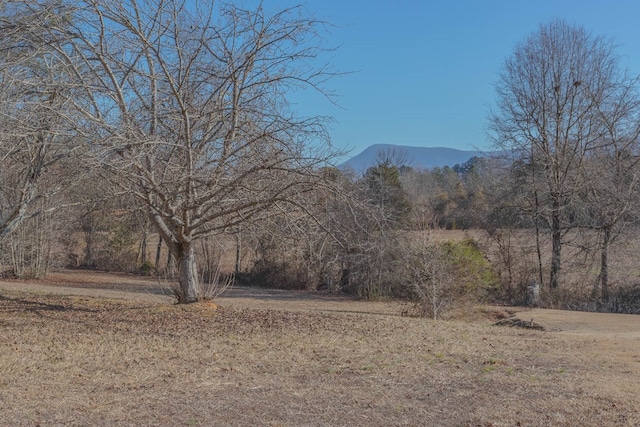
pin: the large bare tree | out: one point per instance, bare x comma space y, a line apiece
188, 106
552, 95
610, 199
38, 134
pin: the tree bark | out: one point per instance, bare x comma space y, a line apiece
158, 251
143, 248
556, 245
188, 291
538, 248
604, 264
238, 250
88, 229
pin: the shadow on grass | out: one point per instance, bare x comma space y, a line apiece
22, 304
269, 294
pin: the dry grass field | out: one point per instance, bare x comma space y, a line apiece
73, 353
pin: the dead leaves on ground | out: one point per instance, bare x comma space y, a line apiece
139, 318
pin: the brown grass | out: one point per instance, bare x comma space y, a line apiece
81, 361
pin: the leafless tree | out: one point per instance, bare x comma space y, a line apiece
432, 283
610, 199
551, 97
339, 238
364, 235
188, 105
38, 135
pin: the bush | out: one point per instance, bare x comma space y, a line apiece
375, 270
116, 250
447, 275
514, 264
147, 268
623, 298
275, 275
472, 268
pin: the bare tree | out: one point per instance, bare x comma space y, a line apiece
551, 97
611, 198
37, 131
188, 105
432, 283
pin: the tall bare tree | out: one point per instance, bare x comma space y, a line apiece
610, 198
37, 133
551, 97
188, 103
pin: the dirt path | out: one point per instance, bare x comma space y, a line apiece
145, 289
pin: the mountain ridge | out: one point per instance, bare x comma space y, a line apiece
404, 155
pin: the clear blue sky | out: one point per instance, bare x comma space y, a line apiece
424, 70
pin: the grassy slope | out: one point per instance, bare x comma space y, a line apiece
68, 360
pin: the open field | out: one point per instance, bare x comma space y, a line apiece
73, 353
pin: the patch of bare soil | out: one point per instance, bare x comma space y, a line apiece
286, 359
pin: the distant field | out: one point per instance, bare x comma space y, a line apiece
580, 256
275, 358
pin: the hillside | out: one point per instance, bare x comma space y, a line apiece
416, 157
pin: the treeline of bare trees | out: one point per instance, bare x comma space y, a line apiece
157, 136
569, 114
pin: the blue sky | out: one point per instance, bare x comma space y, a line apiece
424, 70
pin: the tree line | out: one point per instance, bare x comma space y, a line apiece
127, 120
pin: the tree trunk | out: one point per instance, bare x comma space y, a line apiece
556, 245
188, 290
538, 248
345, 279
604, 264
88, 249
169, 267
238, 251
158, 250
88, 229
143, 248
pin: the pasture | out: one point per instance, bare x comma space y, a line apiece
76, 355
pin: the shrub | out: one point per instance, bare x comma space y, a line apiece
147, 268
447, 275
275, 275
513, 257
623, 298
471, 267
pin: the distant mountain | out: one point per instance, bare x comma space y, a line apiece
415, 157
